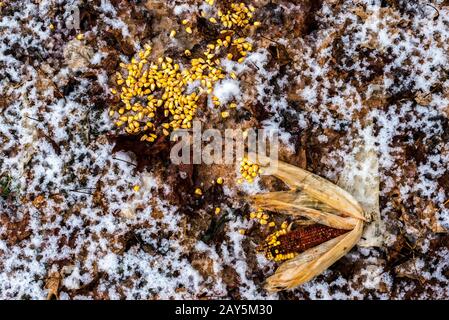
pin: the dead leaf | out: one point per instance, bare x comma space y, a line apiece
39, 202
423, 99
52, 284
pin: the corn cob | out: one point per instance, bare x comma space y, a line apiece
284, 245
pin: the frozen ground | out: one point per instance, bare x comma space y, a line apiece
322, 72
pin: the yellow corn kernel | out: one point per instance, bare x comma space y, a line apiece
220, 180
225, 114
172, 33
136, 188
217, 210
198, 192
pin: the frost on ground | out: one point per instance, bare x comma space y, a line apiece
323, 73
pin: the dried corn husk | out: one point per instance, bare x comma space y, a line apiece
316, 188
311, 263
288, 202
322, 202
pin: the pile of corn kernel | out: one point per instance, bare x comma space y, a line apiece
153, 98
248, 170
152, 88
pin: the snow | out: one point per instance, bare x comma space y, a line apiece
141, 238
227, 90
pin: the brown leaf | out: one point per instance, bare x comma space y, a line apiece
39, 202
16, 231
279, 54
203, 264
55, 146
52, 284
423, 99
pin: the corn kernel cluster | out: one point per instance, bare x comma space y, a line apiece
248, 170
153, 98
271, 242
151, 89
262, 217
239, 15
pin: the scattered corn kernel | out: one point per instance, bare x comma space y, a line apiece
136, 188
220, 180
198, 192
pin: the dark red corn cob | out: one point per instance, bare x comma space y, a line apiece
284, 245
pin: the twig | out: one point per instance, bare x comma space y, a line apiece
270, 39
33, 118
133, 164
438, 12
255, 65
77, 191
